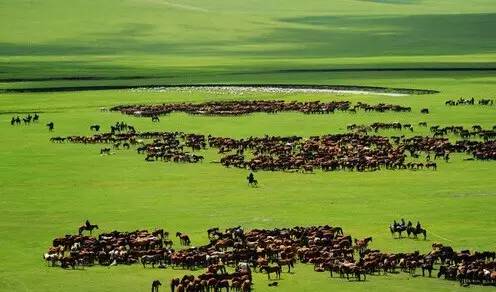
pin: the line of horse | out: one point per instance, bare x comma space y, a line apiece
266, 251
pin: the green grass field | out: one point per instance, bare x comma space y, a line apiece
47, 190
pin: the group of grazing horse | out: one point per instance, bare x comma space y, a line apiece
476, 131
375, 127
149, 248
351, 151
267, 251
251, 106
30, 118
215, 279
469, 101
464, 266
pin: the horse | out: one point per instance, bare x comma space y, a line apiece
155, 285
174, 282
286, 262
88, 228
428, 265
414, 231
105, 151
183, 238
50, 126
397, 229
361, 244
252, 182
269, 270
151, 259
95, 128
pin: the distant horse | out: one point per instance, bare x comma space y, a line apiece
397, 229
414, 231
183, 238
361, 244
87, 228
155, 285
50, 126
269, 270
252, 181
95, 128
105, 151
286, 262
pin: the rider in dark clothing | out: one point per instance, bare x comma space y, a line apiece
250, 177
418, 225
87, 223
402, 222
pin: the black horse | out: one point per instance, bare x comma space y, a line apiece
50, 126
87, 227
95, 128
397, 228
251, 180
155, 285
415, 231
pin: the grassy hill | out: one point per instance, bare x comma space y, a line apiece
184, 39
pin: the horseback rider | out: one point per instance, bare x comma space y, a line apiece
87, 223
395, 224
402, 222
418, 227
250, 178
409, 223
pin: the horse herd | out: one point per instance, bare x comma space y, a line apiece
469, 101
351, 151
252, 106
326, 248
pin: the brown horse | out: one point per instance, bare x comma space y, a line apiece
183, 238
286, 262
361, 244
269, 270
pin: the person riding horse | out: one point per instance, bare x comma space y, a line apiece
418, 227
251, 179
50, 126
87, 223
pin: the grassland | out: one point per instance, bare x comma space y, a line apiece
47, 190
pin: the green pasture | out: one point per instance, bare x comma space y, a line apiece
49, 189
184, 39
